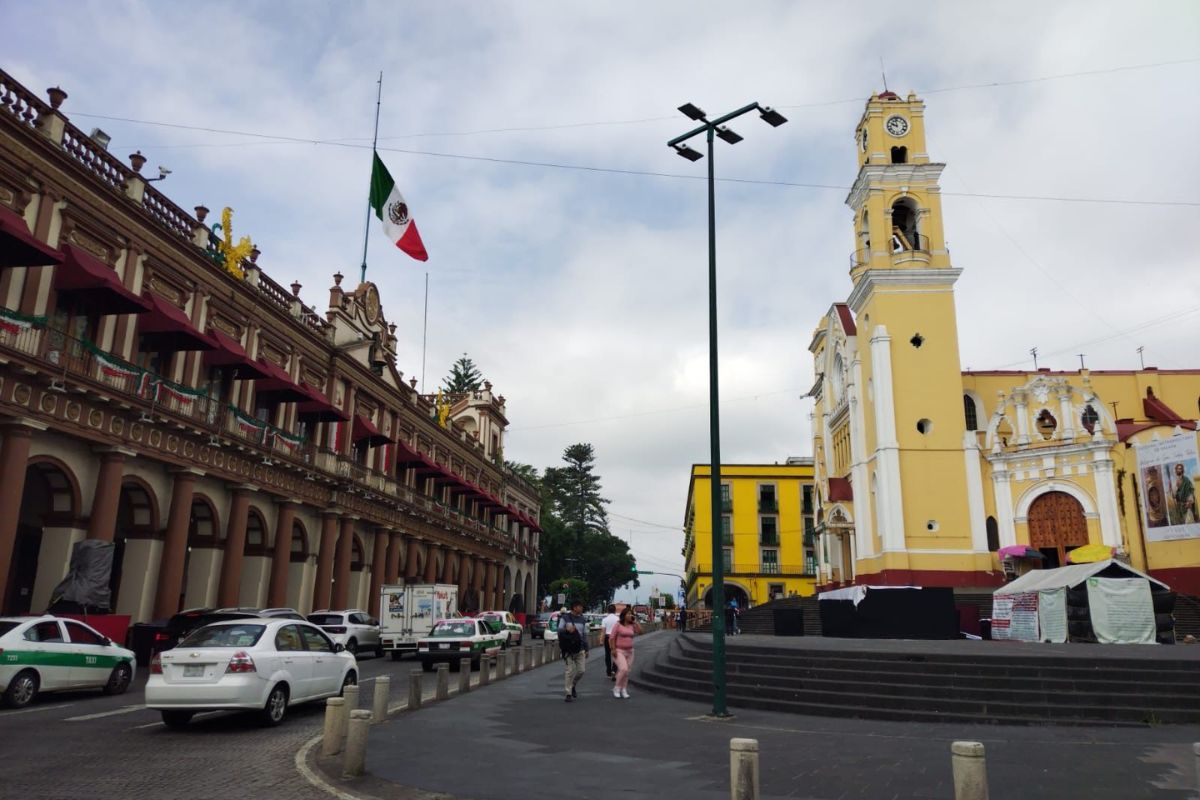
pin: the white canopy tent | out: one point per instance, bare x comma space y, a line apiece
1120, 608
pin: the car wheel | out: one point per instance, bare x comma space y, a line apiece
351, 679
504, 643
352, 647
119, 680
176, 719
520, 638
397, 655
427, 665
22, 690
276, 706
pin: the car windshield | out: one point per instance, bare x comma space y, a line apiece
454, 629
225, 636
544, 617
6, 626
325, 619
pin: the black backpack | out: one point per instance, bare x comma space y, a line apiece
569, 640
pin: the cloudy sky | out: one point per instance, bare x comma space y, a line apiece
522, 133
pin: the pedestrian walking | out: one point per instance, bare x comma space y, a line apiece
622, 646
573, 644
683, 615
609, 620
737, 612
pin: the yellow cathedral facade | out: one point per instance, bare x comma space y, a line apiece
931, 476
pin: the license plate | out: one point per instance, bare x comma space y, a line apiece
439, 647
193, 671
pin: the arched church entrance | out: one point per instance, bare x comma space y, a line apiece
47, 500
732, 592
1056, 527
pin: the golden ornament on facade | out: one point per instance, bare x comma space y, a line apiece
234, 254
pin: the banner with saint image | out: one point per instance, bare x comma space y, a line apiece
1168, 470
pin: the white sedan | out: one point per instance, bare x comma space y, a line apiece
44, 654
260, 664
455, 639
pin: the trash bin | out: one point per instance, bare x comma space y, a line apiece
788, 621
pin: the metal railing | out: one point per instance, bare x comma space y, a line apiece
734, 568
769, 538
726, 505
768, 505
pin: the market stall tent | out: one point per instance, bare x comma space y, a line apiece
1104, 601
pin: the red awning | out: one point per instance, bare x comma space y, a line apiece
19, 248
410, 458
317, 407
278, 386
94, 285
166, 326
230, 355
364, 430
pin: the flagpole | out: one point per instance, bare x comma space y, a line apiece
424, 331
374, 142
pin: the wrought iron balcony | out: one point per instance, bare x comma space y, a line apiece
768, 505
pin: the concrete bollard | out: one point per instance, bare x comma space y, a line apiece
331, 744
355, 761
528, 658
501, 657
464, 675
518, 660
743, 769
350, 695
443, 681
1196, 753
414, 688
383, 689
970, 771
538, 654
485, 670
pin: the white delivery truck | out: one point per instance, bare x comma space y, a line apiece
408, 612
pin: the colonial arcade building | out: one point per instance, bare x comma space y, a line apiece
237, 446
924, 472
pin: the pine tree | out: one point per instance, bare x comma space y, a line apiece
464, 377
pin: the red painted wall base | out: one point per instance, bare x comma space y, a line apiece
1185, 580
917, 577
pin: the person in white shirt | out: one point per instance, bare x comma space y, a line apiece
608, 622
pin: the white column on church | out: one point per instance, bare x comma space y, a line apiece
1066, 421
887, 452
975, 507
1004, 507
1106, 501
858, 459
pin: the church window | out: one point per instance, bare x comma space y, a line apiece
1090, 418
900, 155
904, 227
969, 411
1046, 424
993, 534
917, 340
863, 143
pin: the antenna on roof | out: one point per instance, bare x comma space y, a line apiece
1033, 352
884, 71
1141, 357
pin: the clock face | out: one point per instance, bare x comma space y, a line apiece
896, 126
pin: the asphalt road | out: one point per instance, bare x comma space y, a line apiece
90, 746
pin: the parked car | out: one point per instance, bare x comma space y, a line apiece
509, 623
454, 639
45, 654
255, 663
273, 613
355, 629
551, 632
538, 626
183, 623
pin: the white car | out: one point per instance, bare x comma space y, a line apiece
259, 664
44, 654
508, 622
355, 630
455, 639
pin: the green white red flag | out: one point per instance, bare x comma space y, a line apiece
391, 209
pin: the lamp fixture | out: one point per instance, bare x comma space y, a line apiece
726, 135
688, 153
772, 117
690, 110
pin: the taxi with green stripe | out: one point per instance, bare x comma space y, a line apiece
455, 639
46, 654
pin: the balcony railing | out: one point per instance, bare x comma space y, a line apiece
768, 505
726, 537
726, 505
790, 570
769, 538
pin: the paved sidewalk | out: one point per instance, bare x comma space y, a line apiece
518, 740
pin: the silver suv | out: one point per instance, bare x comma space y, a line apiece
354, 629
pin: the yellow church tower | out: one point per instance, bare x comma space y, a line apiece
896, 507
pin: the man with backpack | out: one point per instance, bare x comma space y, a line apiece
573, 644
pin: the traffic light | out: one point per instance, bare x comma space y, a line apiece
633, 569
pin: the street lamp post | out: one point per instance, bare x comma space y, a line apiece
716, 128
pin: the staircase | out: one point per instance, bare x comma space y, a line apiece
1187, 617
968, 682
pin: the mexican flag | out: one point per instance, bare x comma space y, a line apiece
391, 209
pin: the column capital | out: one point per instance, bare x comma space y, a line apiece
21, 426
331, 512
186, 473
241, 488
288, 501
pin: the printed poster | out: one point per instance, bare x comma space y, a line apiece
1168, 470
1015, 617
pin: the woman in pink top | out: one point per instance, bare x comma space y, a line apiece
621, 639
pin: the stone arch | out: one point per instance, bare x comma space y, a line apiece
61, 483
973, 410
530, 600
137, 520
905, 234
734, 590
1057, 485
356, 554
506, 586
204, 525
299, 548
837, 509
1057, 525
143, 504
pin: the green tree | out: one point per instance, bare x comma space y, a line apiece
573, 588
524, 472
464, 377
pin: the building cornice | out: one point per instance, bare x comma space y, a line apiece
870, 176
872, 279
